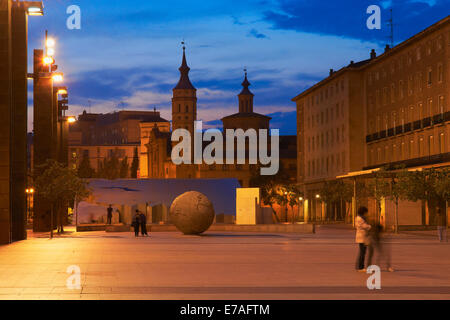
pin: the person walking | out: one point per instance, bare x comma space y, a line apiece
109, 214
143, 221
441, 225
135, 224
362, 239
378, 245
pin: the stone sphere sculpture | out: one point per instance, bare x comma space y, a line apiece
192, 212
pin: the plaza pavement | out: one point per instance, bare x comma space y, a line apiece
169, 265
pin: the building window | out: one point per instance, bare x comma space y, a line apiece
410, 85
440, 73
385, 95
400, 89
441, 105
429, 76
420, 147
430, 145
411, 149
392, 93
430, 107
441, 143
402, 155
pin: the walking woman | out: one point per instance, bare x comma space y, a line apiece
136, 223
362, 237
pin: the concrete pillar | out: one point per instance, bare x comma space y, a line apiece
427, 213
5, 120
43, 136
306, 210
323, 207
383, 216
19, 177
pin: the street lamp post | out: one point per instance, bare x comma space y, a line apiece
46, 119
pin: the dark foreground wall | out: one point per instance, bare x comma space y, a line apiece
5, 120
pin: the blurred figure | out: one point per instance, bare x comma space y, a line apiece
441, 225
380, 247
362, 238
143, 222
109, 215
136, 223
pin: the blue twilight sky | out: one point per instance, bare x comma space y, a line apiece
127, 53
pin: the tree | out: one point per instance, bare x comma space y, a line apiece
336, 191
85, 170
135, 164
269, 197
392, 186
293, 194
124, 168
109, 168
429, 185
281, 196
60, 185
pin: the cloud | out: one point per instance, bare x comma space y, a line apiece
348, 18
256, 34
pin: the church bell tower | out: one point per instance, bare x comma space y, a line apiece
184, 101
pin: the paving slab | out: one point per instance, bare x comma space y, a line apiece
220, 265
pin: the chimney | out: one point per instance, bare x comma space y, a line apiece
373, 54
387, 48
331, 72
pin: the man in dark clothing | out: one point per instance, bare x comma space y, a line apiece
109, 216
143, 221
136, 223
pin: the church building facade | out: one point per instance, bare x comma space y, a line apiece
156, 145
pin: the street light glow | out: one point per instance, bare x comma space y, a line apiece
62, 91
50, 51
71, 119
317, 196
48, 60
57, 77
50, 43
35, 11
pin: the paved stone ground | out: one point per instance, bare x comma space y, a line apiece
220, 266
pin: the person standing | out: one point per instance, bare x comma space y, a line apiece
143, 220
135, 224
379, 246
441, 225
109, 215
362, 238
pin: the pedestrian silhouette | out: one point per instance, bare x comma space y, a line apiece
379, 247
440, 222
136, 222
109, 215
362, 238
143, 222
